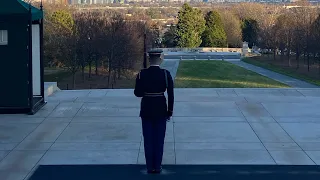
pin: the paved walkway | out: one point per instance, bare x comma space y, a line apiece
276, 76
210, 126
171, 65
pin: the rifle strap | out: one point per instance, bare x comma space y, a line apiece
166, 76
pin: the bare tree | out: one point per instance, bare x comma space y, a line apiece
232, 27
310, 16
250, 11
70, 54
285, 26
315, 40
122, 46
66, 40
82, 30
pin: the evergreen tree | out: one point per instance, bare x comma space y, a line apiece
214, 34
62, 19
190, 26
250, 31
169, 37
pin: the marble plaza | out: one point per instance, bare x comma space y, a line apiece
210, 126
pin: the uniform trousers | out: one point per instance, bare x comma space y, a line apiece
154, 131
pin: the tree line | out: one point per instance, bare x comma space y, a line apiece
292, 33
109, 41
95, 42
285, 31
197, 28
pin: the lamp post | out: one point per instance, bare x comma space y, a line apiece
157, 40
145, 48
41, 52
145, 44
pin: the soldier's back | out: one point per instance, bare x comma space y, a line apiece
154, 79
153, 104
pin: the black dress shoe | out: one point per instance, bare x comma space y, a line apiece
158, 171
150, 171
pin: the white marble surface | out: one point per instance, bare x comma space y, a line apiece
210, 126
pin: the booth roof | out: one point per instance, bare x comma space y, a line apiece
12, 7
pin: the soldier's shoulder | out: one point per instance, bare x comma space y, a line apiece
167, 71
143, 70
140, 73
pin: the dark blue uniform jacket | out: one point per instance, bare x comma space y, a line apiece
151, 84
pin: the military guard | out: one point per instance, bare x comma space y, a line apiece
151, 85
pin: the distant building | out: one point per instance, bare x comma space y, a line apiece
89, 1
181, 1
54, 1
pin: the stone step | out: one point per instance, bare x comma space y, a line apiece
50, 88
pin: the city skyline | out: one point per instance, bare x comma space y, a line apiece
73, 2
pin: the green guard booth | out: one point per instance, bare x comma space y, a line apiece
21, 58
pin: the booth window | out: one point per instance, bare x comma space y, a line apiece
3, 37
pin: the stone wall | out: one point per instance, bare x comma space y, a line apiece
239, 50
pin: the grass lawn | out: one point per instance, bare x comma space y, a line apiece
56, 76
301, 74
220, 74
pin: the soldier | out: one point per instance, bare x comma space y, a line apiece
151, 84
